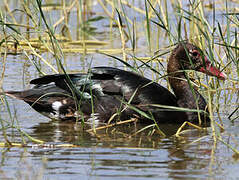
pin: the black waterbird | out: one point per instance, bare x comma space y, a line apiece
121, 93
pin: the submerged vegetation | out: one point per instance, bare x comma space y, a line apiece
137, 34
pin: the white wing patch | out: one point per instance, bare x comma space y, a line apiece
96, 86
56, 106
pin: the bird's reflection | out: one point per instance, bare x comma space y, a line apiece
178, 154
130, 134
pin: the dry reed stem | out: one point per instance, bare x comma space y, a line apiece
16, 144
112, 125
9, 11
66, 11
193, 30
183, 125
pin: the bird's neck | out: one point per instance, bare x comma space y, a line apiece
177, 79
187, 97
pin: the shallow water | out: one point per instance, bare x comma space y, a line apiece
115, 153
112, 154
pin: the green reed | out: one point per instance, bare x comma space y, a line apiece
163, 24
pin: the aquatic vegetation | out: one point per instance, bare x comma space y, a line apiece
137, 35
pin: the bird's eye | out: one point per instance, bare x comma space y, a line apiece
195, 53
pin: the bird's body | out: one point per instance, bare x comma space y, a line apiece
109, 89
106, 92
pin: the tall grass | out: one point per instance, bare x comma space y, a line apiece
145, 35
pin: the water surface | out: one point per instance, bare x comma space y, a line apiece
115, 153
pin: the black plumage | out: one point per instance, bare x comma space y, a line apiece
104, 92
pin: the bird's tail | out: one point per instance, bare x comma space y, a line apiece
13, 94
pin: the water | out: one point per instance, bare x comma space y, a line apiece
112, 154
110, 157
